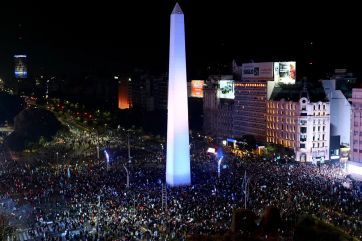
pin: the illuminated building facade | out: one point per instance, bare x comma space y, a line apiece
301, 125
124, 100
178, 171
356, 125
21, 70
250, 108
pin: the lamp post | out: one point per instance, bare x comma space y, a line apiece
129, 148
127, 172
218, 166
97, 151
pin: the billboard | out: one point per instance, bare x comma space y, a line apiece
285, 72
197, 88
226, 89
262, 71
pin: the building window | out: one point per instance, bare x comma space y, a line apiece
303, 129
323, 137
302, 145
355, 133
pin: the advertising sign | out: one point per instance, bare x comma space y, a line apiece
285, 72
197, 88
226, 89
257, 71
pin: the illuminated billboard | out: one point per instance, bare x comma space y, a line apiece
263, 71
285, 72
197, 88
226, 89
21, 71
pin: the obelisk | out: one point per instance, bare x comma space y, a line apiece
178, 150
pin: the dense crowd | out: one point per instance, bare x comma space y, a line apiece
80, 197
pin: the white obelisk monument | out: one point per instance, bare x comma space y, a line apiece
178, 150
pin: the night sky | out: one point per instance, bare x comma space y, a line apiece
114, 38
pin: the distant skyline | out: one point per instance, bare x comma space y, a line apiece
68, 39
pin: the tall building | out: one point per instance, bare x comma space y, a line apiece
251, 94
340, 119
258, 81
300, 120
149, 91
218, 110
21, 70
23, 84
124, 98
250, 110
356, 125
178, 150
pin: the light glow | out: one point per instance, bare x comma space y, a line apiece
354, 169
178, 152
211, 150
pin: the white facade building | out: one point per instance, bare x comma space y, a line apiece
340, 113
303, 126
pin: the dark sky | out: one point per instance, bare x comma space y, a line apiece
108, 38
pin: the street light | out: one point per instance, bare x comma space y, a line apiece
107, 159
97, 151
127, 172
218, 166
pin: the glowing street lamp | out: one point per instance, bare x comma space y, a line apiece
218, 166
107, 159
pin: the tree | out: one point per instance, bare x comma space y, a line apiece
30, 126
10, 106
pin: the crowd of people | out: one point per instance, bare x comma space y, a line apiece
80, 197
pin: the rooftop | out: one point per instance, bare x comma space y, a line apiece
293, 92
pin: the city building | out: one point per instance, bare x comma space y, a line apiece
251, 94
218, 111
21, 69
148, 91
340, 117
250, 110
299, 118
356, 125
22, 84
338, 90
124, 100
244, 111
